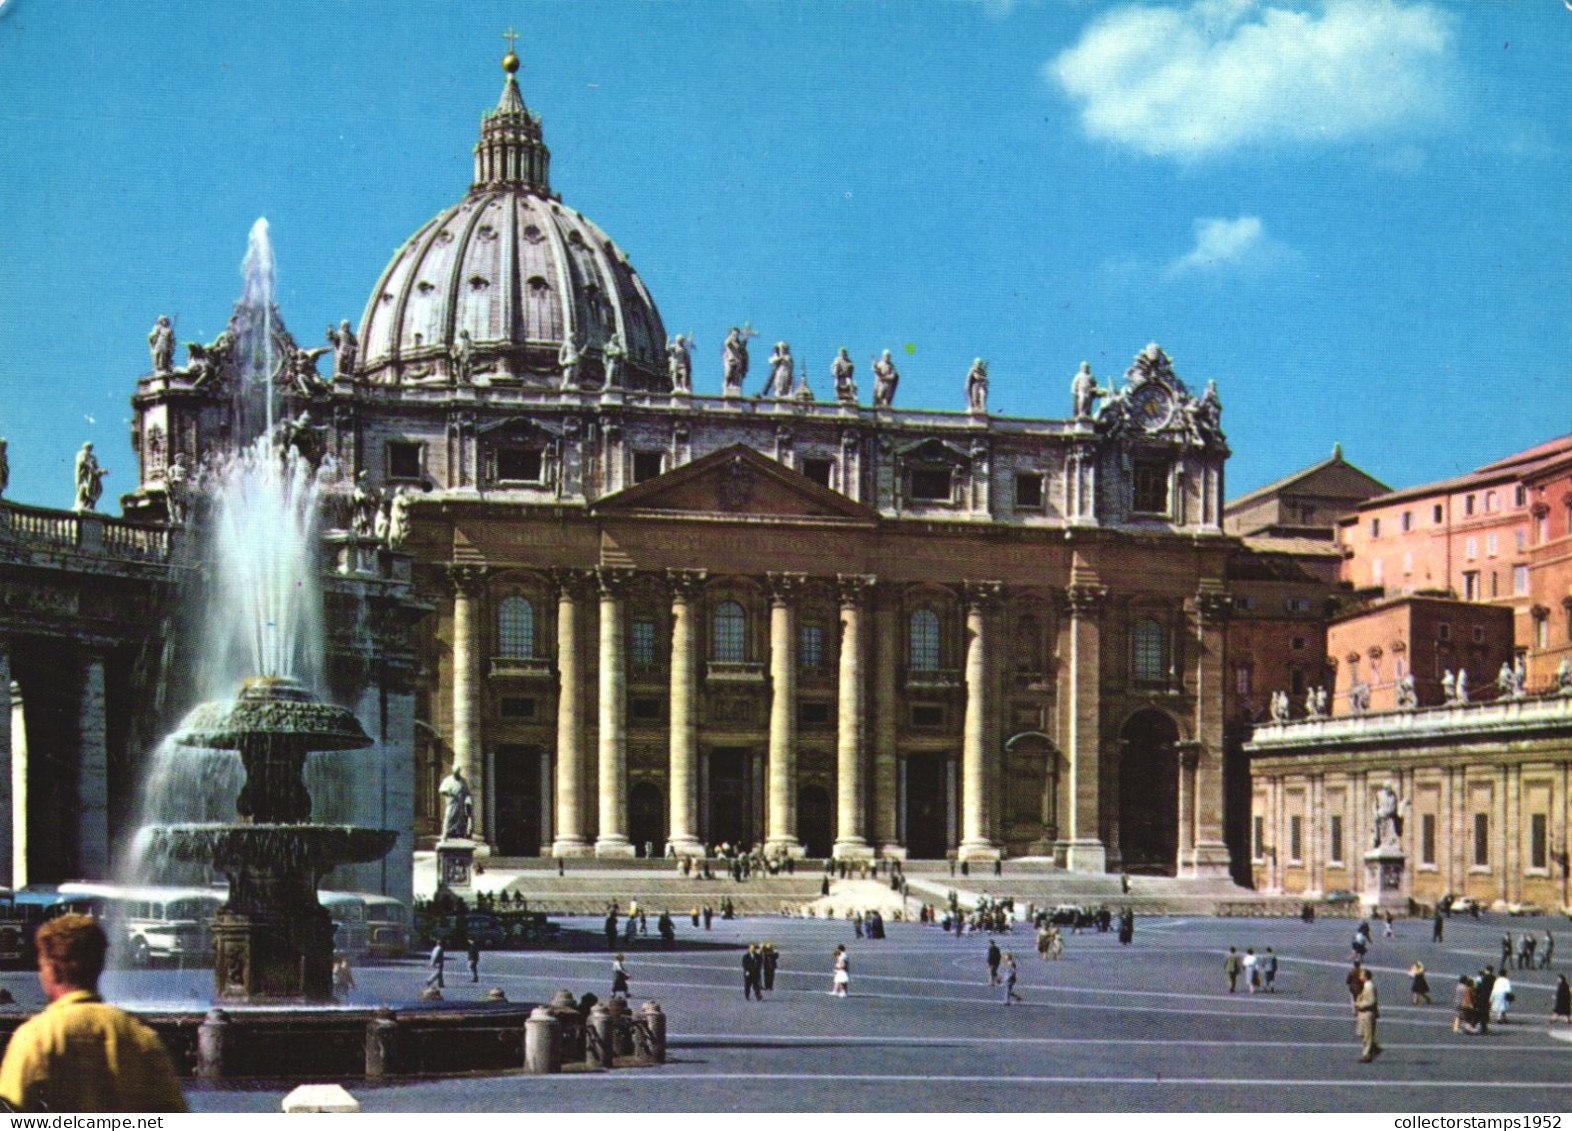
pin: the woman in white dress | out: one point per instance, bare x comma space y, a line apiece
842, 978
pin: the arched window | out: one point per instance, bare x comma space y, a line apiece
516, 629
1151, 652
925, 640
1028, 645
730, 633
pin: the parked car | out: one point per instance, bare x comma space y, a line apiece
1460, 905
486, 929
1340, 895
1524, 909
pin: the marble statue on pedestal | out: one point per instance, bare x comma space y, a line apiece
1407, 696
977, 386
568, 362
1085, 391
782, 373
89, 479
843, 368
176, 490
398, 519
161, 344
1388, 816
612, 355
463, 359
459, 812
734, 360
364, 504
346, 348
885, 379
679, 363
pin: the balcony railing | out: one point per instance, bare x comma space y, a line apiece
933, 678
42, 528
746, 672
521, 667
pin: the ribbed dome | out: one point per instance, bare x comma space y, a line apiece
519, 271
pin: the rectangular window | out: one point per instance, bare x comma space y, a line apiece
1479, 634
1375, 528
1471, 549
1542, 631
1468, 504
1495, 584
645, 710
519, 465
1519, 495
1427, 838
1150, 483
931, 484
818, 470
516, 707
406, 459
1296, 828
1520, 539
1436, 513
1471, 585
1296, 643
1520, 579
1538, 840
1298, 604
1029, 491
1334, 848
1490, 502
1443, 631
1408, 563
1242, 679
1490, 544
810, 649
1482, 840
1243, 603
641, 644
1258, 837
646, 465
811, 713
1408, 521
1296, 682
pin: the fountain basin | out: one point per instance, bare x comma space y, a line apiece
305, 849
276, 710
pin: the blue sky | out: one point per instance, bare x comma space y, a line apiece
1354, 216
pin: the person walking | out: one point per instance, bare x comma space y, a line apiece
437, 962
1387, 918
1231, 967
1463, 1021
1561, 1008
619, 977
80, 1054
1419, 985
1501, 998
1269, 971
770, 957
1482, 988
474, 960
1367, 1007
1252, 975
1010, 974
667, 929
611, 929
1506, 950
343, 977
1355, 979
752, 972
1437, 926
994, 956
1546, 954
840, 981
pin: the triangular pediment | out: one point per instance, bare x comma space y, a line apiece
934, 450
736, 481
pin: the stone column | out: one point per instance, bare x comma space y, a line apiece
977, 840
1209, 856
1189, 754
781, 820
886, 766
1081, 707
613, 765
686, 585
8, 811
851, 791
570, 837
469, 586
92, 798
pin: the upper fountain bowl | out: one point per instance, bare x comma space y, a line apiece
275, 708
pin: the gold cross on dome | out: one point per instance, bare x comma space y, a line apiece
512, 37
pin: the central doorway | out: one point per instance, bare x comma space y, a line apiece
814, 822
1149, 793
518, 800
646, 819
928, 808
730, 806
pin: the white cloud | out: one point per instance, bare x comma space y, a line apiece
1238, 246
1193, 82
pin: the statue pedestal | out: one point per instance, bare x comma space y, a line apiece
455, 865
1384, 880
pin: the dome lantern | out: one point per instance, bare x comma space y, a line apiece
512, 151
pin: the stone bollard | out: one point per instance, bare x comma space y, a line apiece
621, 1026
382, 1044
597, 1045
212, 1037
565, 1008
542, 1043
652, 1030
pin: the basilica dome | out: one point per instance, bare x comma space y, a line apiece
515, 270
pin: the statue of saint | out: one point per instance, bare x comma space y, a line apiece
460, 809
176, 496
346, 347
1564, 676
1462, 685
463, 359
885, 379
364, 504
202, 362
845, 386
782, 369
734, 358
977, 387
1388, 811
1448, 687
398, 519
679, 363
5, 469
612, 354
161, 344
1506, 680
1085, 391
1321, 711
568, 362
301, 372
1407, 695
89, 479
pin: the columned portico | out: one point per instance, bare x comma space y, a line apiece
613, 763
684, 779
1083, 849
781, 821
851, 774
469, 583
570, 839
977, 817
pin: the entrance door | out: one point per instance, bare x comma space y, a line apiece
814, 824
927, 808
518, 800
731, 797
1149, 794
646, 819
